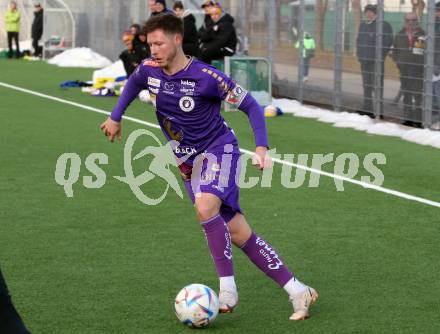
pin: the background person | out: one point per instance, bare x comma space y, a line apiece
409, 47
37, 30
129, 57
366, 54
159, 7
190, 40
12, 19
220, 40
207, 20
309, 47
141, 47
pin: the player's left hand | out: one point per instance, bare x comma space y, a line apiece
261, 159
112, 129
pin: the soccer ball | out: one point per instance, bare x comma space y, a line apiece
196, 305
272, 111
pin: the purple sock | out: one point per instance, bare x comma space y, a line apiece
265, 257
219, 243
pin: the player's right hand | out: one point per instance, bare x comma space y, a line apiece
112, 129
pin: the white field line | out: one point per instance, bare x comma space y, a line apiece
283, 162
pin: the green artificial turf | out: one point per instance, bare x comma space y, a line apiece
103, 262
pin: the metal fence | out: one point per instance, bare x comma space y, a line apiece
397, 87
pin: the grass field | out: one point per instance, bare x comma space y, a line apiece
102, 262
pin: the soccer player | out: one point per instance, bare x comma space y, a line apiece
187, 95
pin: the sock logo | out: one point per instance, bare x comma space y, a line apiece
228, 251
274, 262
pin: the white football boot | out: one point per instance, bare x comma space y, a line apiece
302, 302
228, 300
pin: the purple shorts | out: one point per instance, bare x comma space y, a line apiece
217, 174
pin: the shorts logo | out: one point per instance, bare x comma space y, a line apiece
215, 167
154, 82
187, 103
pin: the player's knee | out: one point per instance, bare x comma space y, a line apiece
207, 206
206, 211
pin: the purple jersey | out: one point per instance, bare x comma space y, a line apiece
188, 106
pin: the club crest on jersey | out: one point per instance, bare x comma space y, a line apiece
187, 104
154, 82
236, 95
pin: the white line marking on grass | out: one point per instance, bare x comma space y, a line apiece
283, 162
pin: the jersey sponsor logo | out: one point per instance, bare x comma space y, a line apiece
169, 86
154, 82
188, 83
153, 90
187, 91
187, 104
236, 95
185, 150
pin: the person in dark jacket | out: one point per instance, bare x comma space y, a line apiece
130, 58
409, 49
140, 44
207, 6
221, 39
190, 40
366, 54
37, 30
10, 320
159, 7
141, 47
135, 30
